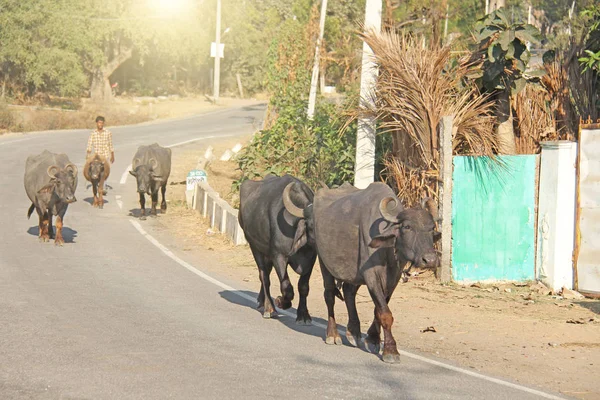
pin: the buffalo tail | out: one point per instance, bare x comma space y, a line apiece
338, 294
30, 210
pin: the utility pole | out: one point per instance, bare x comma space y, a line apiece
217, 55
312, 97
529, 20
446, 23
365, 135
571, 11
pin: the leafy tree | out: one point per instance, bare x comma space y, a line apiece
503, 57
591, 59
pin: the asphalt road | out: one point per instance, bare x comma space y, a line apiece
112, 316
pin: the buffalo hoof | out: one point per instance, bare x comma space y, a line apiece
372, 347
333, 340
59, 242
142, 217
163, 210
353, 340
391, 358
269, 314
282, 303
44, 239
306, 321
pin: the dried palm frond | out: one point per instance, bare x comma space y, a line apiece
411, 184
534, 120
416, 87
572, 93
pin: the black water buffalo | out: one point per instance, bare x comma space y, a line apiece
363, 237
96, 171
151, 167
50, 183
275, 215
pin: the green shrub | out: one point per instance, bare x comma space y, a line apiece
317, 151
6, 117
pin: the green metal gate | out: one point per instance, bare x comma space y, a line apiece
493, 218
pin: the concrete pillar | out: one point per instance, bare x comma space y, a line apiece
365, 136
445, 195
556, 214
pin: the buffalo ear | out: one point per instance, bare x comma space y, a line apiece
436, 236
49, 188
387, 237
133, 173
301, 237
382, 241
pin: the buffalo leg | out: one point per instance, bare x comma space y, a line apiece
265, 266
302, 315
59, 241
142, 206
100, 201
95, 190
373, 339
45, 237
333, 336
353, 331
40, 223
50, 228
154, 196
385, 319
287, 291
163, 204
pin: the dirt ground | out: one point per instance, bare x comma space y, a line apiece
506, 330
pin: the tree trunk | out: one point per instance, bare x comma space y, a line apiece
100, 91
505, 132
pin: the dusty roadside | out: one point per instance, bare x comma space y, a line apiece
504, 330
122, 111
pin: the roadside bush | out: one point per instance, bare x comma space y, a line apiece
318, 151
6, 117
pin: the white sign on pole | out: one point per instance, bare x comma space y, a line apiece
195, 176
213, 47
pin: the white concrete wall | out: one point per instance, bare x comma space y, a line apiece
220, 214
556, 214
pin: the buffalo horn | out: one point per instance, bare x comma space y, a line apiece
136, 162
389, 209
52, 170
72, 168
426, 204
289, 205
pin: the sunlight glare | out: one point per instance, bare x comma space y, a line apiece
171, 6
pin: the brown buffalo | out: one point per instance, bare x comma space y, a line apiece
96, 171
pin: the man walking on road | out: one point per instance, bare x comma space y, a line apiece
100, 142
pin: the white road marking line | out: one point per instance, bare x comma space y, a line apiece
197, 139
14, 141
119, 202
243, 295
126, 173
124, 176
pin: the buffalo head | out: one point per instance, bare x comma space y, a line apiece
411, 231
145, 175
96, 168
305, 228
62, 183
